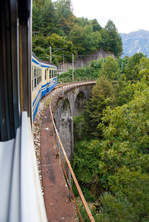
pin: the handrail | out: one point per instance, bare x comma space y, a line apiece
71, 170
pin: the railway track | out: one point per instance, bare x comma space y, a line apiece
56, 192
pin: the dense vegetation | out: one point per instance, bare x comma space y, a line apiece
111, 158
110, 67
55, 25
89, 72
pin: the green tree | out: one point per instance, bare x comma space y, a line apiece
43, 17
87, 36
115, 209
77, 37
92, 39
111, 40
112, 152
61, 47
110, 68
84, 39
40, 45
132, 67
102, 96
131, 188
64, 16
36, 19
144, 68
114, 40
96, 26
47, 18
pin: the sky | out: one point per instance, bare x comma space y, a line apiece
127, 15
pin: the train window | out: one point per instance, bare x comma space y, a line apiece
38, 80
39, 76
36, 77
35, 83
45, 75
50, 74
32, 77
35, 72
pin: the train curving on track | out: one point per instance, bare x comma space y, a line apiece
44, 79
24, 80
21, 198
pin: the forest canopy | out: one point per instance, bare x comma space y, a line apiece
55, 25
111, 159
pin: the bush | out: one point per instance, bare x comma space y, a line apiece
81, 74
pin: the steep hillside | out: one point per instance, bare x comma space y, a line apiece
55, 25
134, 42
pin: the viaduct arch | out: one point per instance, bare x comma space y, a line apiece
70, 103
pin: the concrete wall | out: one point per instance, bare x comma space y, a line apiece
84, 60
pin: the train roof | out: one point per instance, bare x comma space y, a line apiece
42, 64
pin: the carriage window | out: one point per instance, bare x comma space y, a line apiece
54, 73
35, 83
36, 76
38, 79
32, 77
45, 75
50, 74
35, 72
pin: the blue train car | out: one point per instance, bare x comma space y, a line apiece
44, 79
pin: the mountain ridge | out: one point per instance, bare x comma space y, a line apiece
134, 42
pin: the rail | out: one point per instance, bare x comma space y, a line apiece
76, 83
66, 158
21, 197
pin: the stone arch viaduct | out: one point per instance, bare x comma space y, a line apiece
68, 101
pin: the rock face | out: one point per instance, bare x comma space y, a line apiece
135, 42
72, 104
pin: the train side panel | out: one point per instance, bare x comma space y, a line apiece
36, 88
43, 81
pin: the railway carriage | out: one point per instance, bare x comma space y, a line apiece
21, 196
44, 79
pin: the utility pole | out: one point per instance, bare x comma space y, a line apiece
63, 63
50, 54
72, 67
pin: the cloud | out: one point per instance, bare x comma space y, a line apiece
128, 15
